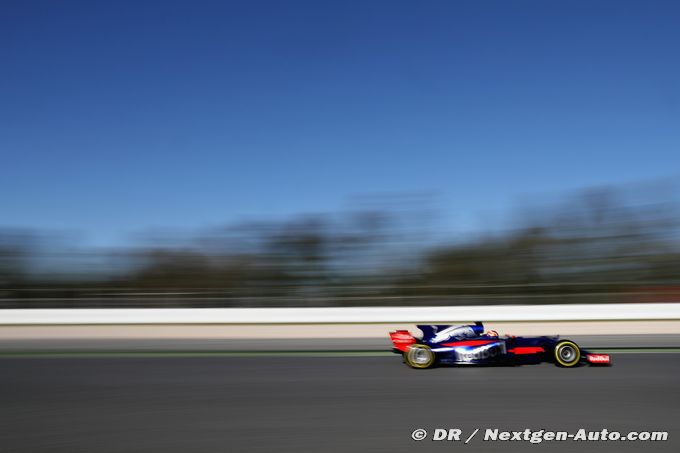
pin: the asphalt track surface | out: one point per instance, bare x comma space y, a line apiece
333, 404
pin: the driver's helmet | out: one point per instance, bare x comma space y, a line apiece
491, 333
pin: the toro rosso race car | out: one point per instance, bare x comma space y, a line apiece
470, 345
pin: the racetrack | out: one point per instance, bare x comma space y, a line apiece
332, 404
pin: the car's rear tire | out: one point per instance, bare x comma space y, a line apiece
419, 356
567, 354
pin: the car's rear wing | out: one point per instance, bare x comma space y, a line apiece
402, 339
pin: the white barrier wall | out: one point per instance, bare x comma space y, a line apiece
338, 315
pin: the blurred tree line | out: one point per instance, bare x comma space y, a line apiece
601, 245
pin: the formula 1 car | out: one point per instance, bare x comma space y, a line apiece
470, 345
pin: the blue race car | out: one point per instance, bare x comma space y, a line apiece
471, 345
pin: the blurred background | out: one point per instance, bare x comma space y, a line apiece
606, 244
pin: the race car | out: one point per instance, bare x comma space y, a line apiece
470, 345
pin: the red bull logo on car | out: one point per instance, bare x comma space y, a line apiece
472, 354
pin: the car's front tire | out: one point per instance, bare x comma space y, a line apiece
567, 354
419, 356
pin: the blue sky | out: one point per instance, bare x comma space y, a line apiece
118, 117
